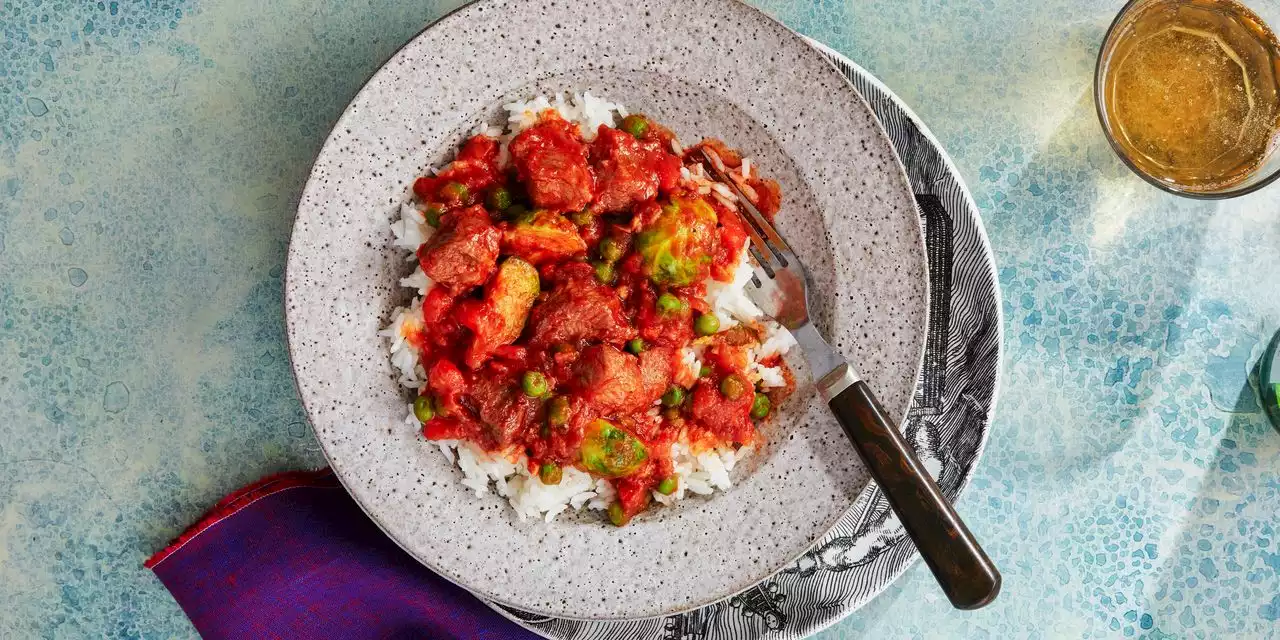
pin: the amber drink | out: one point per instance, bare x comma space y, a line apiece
1188, 92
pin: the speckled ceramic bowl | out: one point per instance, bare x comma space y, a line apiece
715, 68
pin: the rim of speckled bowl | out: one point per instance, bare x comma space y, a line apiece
893, 174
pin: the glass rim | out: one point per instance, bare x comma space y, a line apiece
1099, 104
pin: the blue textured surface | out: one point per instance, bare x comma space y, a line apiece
151, 155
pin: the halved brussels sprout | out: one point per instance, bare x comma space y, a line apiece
507, 300
511, 295
543, 237
611, 452
675, 248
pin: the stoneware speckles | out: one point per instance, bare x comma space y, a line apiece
715, 68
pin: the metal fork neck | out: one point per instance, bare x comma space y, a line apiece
837, 380
832, 372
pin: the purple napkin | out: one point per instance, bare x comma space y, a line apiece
293, 556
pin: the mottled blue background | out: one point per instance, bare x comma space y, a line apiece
152, 154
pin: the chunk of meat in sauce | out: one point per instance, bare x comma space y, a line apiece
503, 408
578, 309
464, 252
657, 367
629, 171
729, 419
453, 421
610, 380
551, 161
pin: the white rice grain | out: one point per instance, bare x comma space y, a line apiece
417, 280
411, 230
728, 205
715, 159
777, 341
724, 191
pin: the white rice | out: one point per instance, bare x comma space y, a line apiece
585, 110
508, 475
417, 280
404, 356
411, 230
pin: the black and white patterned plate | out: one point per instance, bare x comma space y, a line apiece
948, 422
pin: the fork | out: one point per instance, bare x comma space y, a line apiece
779, 287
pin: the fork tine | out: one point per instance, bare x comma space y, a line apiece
760, 249
754, 234
757, 224
765, 263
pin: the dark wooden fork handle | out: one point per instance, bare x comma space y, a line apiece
963, 569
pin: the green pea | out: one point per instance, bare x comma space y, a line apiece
635, 125
669, 304
673, 397
423, 409
433, 213
605, 272
616, 515
534, 384
550, 473
706, 324
456, 192
672, 415
581, 218
635, 345
760, 407
668, 485
519, 213
733, 387
704, 371
558, 411
499, 199
610, 249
